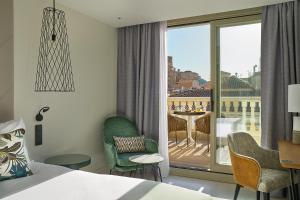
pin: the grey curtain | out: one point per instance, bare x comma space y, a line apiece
138, 76
280, 63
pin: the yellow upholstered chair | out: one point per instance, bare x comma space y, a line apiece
254, 167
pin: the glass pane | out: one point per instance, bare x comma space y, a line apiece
240, 85
189, 95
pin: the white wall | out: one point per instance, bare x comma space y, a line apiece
6, 60
73, 124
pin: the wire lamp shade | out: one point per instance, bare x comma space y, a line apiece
54, 69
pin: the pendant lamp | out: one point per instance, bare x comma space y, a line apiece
54, 69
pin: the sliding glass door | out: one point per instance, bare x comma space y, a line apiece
213, 90
237, 83
189, 96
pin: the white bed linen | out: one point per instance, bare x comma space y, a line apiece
41, 173
80, 185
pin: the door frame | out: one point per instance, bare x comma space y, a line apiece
215, 79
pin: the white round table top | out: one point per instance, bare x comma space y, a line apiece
147, 158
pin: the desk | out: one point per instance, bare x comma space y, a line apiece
189, 122
289, 155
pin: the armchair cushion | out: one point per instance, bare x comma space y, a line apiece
272, 179
123, 158
129, 144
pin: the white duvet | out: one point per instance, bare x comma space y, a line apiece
80, 185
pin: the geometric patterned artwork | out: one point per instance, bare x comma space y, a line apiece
54, 69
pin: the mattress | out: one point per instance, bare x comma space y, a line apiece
52, 182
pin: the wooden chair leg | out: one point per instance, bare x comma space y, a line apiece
237, 190
187, 138
176, 136
208, 141
290, 192
134, 173
195, 138
266, 196
257, 195
285, 192
297, 190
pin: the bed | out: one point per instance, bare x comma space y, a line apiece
54, 182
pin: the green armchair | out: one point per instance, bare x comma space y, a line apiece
122, 127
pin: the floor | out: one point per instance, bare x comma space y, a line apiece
213, 188
195, 156
189, 156
216, 189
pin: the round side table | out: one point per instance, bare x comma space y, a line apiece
72, 161
152, 160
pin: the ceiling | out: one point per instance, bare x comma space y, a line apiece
119, 13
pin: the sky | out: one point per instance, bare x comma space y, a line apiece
239, 49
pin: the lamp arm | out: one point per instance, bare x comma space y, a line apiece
39, 117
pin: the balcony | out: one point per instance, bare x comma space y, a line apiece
237, 114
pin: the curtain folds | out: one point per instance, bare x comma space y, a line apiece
163, 108
138, 76
142, 76
280, 63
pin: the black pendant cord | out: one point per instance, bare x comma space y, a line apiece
54, 21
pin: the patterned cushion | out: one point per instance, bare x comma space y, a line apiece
129, 144
13, 163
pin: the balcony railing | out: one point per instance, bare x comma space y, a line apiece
230, 106
248, 109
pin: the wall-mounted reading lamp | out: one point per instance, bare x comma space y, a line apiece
39, 127
39, 117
